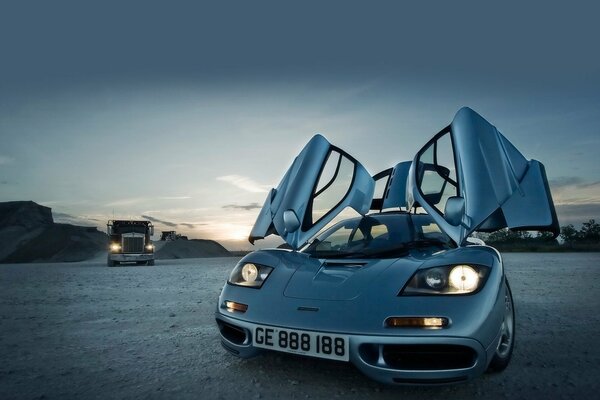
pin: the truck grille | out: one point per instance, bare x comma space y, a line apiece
133, 244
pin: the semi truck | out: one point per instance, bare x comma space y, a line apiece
130, 242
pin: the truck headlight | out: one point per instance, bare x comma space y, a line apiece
249, 274
115, 247
451, 279
150, 246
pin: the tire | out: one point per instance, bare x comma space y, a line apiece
506, 344
111, 263
151, 262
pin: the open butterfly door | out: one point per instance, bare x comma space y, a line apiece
322, 181
469, 178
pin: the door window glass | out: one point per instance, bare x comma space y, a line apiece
437, 172
332, 187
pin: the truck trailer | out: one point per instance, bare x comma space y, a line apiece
130, 242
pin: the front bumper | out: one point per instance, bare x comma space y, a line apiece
386, 358
138, 257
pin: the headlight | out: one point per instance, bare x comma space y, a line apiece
248, 274
115, 247
150, 246
452, 279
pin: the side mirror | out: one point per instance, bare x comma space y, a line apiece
454, 210
290, 221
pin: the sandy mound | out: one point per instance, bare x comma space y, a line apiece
28, 234
195, 248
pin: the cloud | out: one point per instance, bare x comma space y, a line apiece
577, 213
247, 207
191, 226
589, 185
4, 160
573, 190
73, 219
576, 199
563, 181
175, 198
136, 200
566, 181
166, 223
126, 202
244, 183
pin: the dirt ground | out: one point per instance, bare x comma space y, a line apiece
83, 330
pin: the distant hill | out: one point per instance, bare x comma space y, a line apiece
195, 248
28, 234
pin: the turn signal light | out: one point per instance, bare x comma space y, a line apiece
416, 322
233, 306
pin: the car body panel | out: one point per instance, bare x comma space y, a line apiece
486, 185
474, 319
499, 187
378, 299
288, 209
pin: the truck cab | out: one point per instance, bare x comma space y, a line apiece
130, 242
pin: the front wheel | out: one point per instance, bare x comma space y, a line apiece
506, 344
151, 262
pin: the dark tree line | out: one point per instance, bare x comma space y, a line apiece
589, 233
508, 236
587, 236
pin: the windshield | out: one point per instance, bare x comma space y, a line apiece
120, 229
379, 236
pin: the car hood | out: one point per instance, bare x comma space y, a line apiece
321, 279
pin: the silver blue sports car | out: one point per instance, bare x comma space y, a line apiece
401, 290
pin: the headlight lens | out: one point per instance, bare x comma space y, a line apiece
451, 279
464, 278
115, 247
150, 246
249, 274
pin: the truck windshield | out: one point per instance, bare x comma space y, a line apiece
379, 236
120, 229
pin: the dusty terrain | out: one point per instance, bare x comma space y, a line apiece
83, 330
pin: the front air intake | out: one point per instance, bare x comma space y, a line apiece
231, 332
424, 357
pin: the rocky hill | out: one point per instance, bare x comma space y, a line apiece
28, 234
195, 248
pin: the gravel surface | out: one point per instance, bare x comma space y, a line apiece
83, 330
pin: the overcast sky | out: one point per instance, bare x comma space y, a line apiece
187, 115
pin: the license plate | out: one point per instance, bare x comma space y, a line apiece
308, 343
